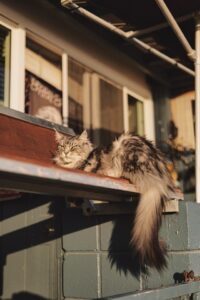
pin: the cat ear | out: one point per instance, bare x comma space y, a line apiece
58, 136
84, 135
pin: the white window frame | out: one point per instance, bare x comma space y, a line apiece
149, 127
96, 97
16, 88
64, 70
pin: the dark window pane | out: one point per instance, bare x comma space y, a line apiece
4, 65
111, 112
79, 98
135, 115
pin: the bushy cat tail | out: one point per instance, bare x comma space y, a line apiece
145, 241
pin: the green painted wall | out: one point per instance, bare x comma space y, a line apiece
98, 261
29, 253
84, 257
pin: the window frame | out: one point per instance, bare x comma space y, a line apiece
17, 70
64, 70
10, 26
149, 127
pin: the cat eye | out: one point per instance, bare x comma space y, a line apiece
75, 148
61, 147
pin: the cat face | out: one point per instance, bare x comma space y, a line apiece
72, 151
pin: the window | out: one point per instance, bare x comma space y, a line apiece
43, 83
62, 90
138, 114
78, 96
111, 121
103, 107
94, 104
135, 115
5, 46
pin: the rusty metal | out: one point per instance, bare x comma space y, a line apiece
24, 176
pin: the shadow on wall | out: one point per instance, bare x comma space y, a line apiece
121, 253
27, 296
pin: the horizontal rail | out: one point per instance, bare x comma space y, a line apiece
95, 208
30, 177
162, 293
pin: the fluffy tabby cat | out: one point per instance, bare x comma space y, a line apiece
138, 160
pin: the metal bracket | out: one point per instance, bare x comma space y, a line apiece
92, 207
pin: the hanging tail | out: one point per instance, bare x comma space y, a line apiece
146, 228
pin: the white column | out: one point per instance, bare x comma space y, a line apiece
65, 102
197, 99
87, 123
125, 110
17, 76
96, 107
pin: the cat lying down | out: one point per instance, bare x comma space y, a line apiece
138, 160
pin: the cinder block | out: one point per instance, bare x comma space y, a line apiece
80, 276
177, 263
13, 272
79, 232
181, 230
115, 278
193, 210
194, 258
196, 296
174, 230
115, 235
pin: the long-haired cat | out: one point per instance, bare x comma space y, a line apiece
138, 160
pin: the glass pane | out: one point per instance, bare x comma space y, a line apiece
79, 96
43, 85
135, 115
42, 100
111, 112
5, 38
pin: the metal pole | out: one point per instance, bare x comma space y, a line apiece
70, 4
163, 56
126, 35
197, 99
163, 7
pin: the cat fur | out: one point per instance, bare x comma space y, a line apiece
138, 160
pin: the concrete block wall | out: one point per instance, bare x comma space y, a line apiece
98, 261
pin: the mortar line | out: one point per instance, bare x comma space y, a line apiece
99, 292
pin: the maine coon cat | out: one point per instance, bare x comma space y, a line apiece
138, 160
